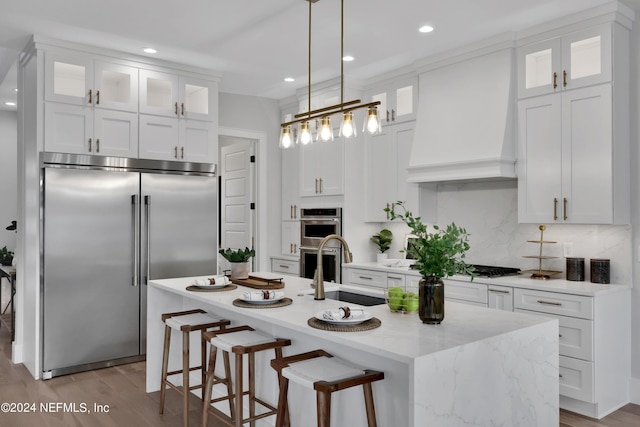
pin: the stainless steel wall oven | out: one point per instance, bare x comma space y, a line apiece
315, 225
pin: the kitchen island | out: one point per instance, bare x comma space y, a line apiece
479, 367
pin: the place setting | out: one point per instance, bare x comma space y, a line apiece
344, 319
211, 284
262, 299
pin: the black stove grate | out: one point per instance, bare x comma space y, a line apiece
494, 271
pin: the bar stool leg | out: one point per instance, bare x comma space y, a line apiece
368, 402
323, 399
165, 364
282, 414
185, 379
227, 373
239, 392
252, 387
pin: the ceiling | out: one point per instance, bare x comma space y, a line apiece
254, 44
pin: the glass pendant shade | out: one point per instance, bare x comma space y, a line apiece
304, 136
286, 140
348, 127
325, 133
372, 121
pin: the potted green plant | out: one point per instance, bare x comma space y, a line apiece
6, 256
382, 240
239, 259
438, 254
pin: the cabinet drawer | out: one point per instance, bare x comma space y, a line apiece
576, 379
363, 277
285, 266
394, 279
554, 303
472, 292
575, 336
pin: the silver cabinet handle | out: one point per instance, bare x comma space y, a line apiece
147, 214
90, 144
394, 277
136, 236
283, 266
549, 302
98, 145
366, 277
499, 291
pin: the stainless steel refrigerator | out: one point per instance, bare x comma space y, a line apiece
110, 225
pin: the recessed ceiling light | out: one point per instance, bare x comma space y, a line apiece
149, 50
15, 89
425, 29
289, 79
10, 104
348, 58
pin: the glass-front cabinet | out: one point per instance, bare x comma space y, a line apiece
578, 59
398, 100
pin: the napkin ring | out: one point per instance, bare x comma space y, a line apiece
265, 294
347, 312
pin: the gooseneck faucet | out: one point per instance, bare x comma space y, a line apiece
318, 278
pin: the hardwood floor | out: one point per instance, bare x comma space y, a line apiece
121, 388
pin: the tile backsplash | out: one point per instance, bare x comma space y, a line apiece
489, 212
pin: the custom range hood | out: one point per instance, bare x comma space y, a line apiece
465, 125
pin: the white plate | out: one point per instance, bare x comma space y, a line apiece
278, 296
350, 321
219, 286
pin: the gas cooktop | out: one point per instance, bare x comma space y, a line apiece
494, 271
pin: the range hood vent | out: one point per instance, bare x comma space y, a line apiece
465, 125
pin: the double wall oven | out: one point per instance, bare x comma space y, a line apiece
315, 225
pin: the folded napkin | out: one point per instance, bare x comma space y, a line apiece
262, 295
215, 280
343, 313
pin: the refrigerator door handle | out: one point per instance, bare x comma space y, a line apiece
147, 210
136, 237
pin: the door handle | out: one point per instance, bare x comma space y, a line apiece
136, 237
147, 214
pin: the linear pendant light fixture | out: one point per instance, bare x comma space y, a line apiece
325, 132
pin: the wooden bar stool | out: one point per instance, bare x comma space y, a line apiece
240, 340
186, 322
325, 374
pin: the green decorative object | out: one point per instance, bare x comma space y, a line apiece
237, 255
383, 240
6, 256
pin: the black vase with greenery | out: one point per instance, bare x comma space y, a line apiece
438, 254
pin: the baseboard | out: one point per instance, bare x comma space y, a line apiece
17, 355
634, 390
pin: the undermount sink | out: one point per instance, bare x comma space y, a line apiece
354, 298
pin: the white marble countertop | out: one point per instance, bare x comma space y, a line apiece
402, 337
517, 281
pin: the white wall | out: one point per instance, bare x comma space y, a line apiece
8, 176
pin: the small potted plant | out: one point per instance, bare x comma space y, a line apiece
239, 259
438, 254
6, 256
382, 240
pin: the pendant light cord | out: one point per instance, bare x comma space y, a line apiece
309, 65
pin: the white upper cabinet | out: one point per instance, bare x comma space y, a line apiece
322, 168
578, 59
398, 100
81, 80
171, 95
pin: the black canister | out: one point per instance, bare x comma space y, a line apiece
600, 270
575, 269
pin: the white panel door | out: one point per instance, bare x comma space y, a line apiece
235, 196
68, 128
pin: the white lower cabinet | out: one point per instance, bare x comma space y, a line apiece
593, 345
396, 280
500, 297
366, 277
285, 266
466, 292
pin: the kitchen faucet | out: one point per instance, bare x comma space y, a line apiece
318, 278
